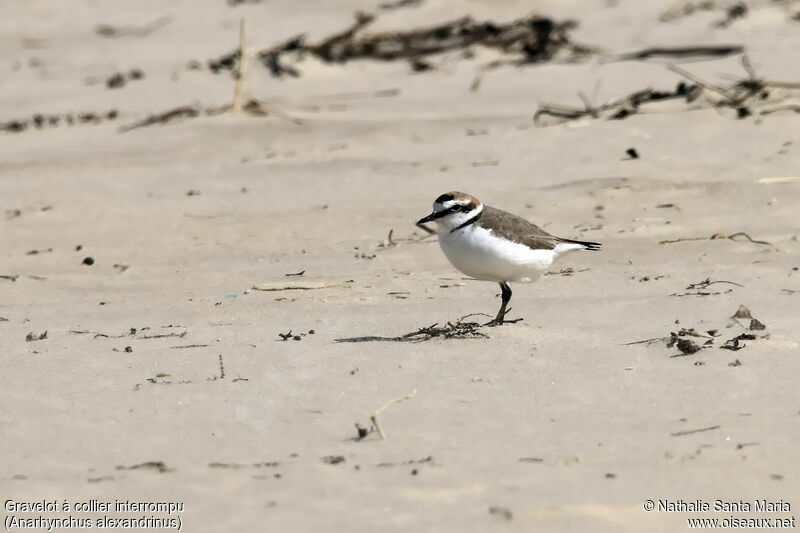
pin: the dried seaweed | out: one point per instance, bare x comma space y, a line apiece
704, 285
252, 107
743, 96
164, 118
732, 11
158, 466
39, 121
682, 52
396, 4
735, 343
617, 109
532, 39
687, 346
453, 330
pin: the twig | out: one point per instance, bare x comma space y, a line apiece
162, 335
691, 77
781, 179
457, 330
683, 8
163, 118
107, 30
741, 234
691, 431
358, 95
374, 417
256, 106
183, 346
426, 229
298, 287
221, 368
715, 237
620, 108
242, 71
648, 341
777, 109
706, 282
682, 51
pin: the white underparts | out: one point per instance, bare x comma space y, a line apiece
480, 254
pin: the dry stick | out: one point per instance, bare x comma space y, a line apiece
648, 341
238, 88
779, 179
307, 287
787, 107
184, 346
683, 51
374, 417
715, 237
706, 282
272, 108
691, 431
746, 236
691, 77
751, 73
426, 229
162, 118
107, 30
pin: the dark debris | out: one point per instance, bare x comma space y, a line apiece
39, 120
457, 330
532, 39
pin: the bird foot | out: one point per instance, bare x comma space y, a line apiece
500, 320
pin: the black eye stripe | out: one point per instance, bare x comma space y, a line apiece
460, 208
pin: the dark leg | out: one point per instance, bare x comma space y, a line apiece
506, 297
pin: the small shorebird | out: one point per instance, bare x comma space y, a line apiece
492, 245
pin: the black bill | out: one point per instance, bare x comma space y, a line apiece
433, 216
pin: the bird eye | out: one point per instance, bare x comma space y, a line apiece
456, 207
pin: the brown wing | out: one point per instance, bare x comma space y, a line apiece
517, 229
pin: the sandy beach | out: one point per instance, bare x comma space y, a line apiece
202, 356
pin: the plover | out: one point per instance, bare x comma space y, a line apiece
492, 245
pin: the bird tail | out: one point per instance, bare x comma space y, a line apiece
588, 245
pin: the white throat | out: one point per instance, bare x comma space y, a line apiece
452, 221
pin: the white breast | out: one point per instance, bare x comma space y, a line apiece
478, 253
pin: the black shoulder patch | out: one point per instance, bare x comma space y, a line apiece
445, 198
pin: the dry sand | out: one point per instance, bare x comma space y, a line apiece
551, 424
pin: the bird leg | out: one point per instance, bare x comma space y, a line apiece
501, 314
